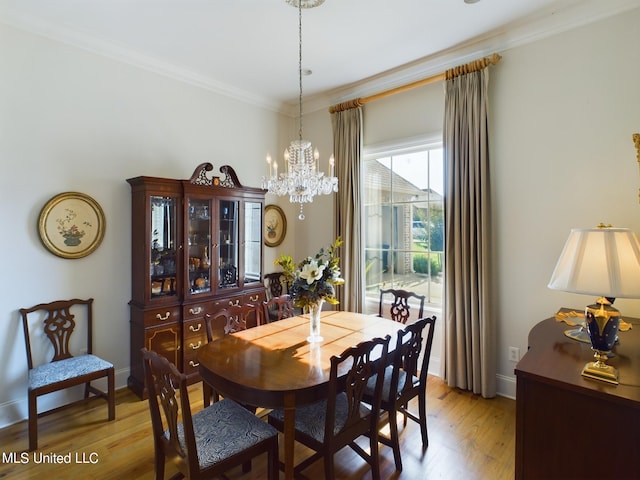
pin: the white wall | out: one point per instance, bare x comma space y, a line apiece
415, 113
317, 229
562, 112
74, 121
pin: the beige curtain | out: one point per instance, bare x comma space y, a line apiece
469, 324
347, 148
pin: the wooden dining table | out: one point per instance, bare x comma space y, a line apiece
274, 366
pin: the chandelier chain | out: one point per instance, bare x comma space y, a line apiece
300, 69
301, 178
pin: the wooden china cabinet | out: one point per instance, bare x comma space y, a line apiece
196, 248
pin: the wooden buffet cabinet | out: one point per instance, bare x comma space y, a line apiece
571, 427
196, 248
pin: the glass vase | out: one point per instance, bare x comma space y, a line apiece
314, 322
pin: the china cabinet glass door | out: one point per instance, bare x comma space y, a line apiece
163, 260
228, 217
252, 242
199, 245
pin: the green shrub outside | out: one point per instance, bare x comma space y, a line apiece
420, 264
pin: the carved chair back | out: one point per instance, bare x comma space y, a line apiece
275, 286
278, 308
396, 304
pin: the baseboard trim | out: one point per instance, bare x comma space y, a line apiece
506, 386
16, 410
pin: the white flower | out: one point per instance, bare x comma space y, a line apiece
312, 272
335, 277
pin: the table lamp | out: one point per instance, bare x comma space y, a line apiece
604, 262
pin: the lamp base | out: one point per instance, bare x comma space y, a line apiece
601, 371
602, 321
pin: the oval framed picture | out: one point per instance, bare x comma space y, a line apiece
71, 225
275, 225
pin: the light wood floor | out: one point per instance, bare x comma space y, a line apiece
469, 437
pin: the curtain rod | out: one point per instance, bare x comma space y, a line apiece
446, 75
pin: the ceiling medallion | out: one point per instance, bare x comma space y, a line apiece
305, 3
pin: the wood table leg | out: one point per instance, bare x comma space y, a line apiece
289, 434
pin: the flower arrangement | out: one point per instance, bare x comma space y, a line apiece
69, 230
314, 278
272, 227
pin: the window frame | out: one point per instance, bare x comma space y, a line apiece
393, 149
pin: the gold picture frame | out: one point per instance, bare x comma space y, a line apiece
71, 225
636, 141
275, 225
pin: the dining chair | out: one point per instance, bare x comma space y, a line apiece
216, 325
209, 442
278, 308
57, 321
404, 379
231, 319
275, 284
395, 304
343, 416
243, 316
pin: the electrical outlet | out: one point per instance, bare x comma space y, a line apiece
514, 354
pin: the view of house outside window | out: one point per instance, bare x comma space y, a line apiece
403, 226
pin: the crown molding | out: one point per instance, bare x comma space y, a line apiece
129, 56
548, 23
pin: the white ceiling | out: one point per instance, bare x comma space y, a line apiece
249, 49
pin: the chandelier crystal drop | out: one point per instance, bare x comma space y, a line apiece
301, 178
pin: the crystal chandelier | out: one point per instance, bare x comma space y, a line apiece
301, 178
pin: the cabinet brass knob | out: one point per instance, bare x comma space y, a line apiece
254, 299
195, 329
234, 304
163, 318
196, 346
194, 364
195, 311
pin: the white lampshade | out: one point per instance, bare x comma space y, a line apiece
602, 261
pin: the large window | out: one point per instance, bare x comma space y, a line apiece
404, 223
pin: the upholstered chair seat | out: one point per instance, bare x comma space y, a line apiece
387, 394
223, 430
310, 419
66, 369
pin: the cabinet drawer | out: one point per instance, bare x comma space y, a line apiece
194, 337
221, 303
194, 332
161, 316
255, 298
195, 310
190, 365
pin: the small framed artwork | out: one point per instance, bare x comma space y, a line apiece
275, 225
71, 225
